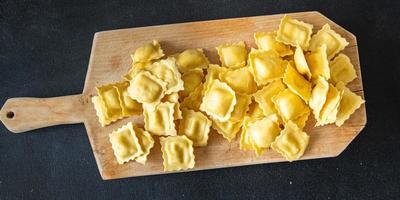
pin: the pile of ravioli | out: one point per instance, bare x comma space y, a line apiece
267, 94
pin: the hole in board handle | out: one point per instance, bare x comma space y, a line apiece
10, 114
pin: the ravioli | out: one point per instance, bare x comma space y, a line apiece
148, 52
110, 99
291, 143
297, 83
146, 88
333, 41
159, 120
266, 66
167, 71
242, 106
228, 129
301, 63
196, 126
255, 111
349, 103
267, 41
219, 101
192, 79
318, 63
177, 153
264, 97
129, 106
329, 110
342, 70
240, 80
233, 55
136, 68
100, 111
294, 32
146, 142
246, 140
263, 133
194, 100
318, 96
191, 59
289, 105
125, 144
174, 98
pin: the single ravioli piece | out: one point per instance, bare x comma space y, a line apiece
330, 109
301, 63
194, 100
289, 105
333, 41
318, 63
145, 141
100, 111
294, 32
241, 80
125, 144
196, 126
146, 88
342, 70
148, 52
297, 83
233, 55
264, 96
348, 105
219, 101
246, 140
302, 120
291, 143
242, 106
318, 96
266, 66
263, 133
191, 59
267, 41
192, 79
174, 98
136, 68
177, 153
227, 129
129, 106
167, 71
110, 98
159, 120
213, 73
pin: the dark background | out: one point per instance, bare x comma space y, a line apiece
44, 52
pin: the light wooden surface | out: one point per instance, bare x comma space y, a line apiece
110, 59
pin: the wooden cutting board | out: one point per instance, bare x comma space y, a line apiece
110, 59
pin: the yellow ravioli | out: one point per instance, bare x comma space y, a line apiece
342, 70
318, 63
100, 111
136, 68
348, 105
242, 106
129, 105
159, 120
318, 96
192, 79
146, 88
267, 41
227, 129
110, 98
263, 133
266, 66
330, 108
333, 41
264, 96
291, 143
196, 126
241, 80
255, 111
297, 83
177, 153
148, 52
146, 142
289, 105
233, 55
301, 63
191, 59
125, 144
194, 100
294, 32
174, 98
219, 101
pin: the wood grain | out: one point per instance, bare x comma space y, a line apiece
110, 59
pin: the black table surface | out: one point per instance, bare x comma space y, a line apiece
44, 52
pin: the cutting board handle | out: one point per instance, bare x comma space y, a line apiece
25, 113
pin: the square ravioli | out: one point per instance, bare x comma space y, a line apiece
129, 106
148, 52
196, 126
136, 68
159, 120
177, 153
242, 106
233, 55
349, 103
264, 96
100, 111
297, 83
289, 105
125, 144
191, 80
241, 80
330, 109
191, 59
146, 88
333, 41
291, 143
194, 100
167, 71
342, 70
219, 101
294, 32
301, 63
267, 41
227, 129
266, 66
318, 96
318, 63
174, 98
